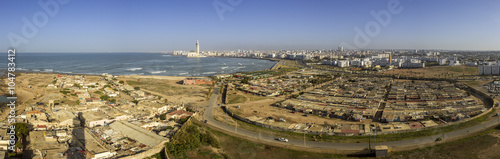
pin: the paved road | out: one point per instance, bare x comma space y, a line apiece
212, 104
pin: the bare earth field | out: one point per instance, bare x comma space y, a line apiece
252, 105
26, 95
169, 87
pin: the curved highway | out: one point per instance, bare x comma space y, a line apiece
208, 115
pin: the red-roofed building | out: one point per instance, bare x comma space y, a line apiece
189, 81
41, 127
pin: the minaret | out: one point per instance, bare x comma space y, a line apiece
197, 48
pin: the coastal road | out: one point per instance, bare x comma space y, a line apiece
212, 104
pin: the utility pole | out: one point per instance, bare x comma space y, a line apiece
305, 139
370, 143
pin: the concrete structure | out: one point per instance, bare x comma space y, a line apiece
137, 133
381, 151
443, 61
178, 114
197, 48
343, 63
103, 155
66, 119
413, 65
488, 70
197, 52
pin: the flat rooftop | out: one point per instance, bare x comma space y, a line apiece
137, 133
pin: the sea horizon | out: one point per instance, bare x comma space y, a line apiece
134, 63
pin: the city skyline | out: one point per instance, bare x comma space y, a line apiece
116, 26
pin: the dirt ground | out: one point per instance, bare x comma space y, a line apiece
264, 109
26, 95
169, 87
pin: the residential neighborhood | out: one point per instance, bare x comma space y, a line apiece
99, 117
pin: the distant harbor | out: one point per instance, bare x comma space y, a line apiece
135, 64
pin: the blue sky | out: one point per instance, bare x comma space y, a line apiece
126, 25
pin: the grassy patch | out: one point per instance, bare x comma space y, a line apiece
188, 138
236, 147
235, 98
255, 98
464, 148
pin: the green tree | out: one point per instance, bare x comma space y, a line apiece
112, 100
137, 88
163, 116
245, 80
183, 120
22, 131
104, 97
121, 82
135, 101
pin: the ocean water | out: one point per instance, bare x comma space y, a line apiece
132, 64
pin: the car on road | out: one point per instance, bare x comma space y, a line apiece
282, 139
282, 120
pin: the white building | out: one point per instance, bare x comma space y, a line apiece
443, 61
343, 63
488, 70
454, 63
413, 65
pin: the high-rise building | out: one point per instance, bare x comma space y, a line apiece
390, 58
195, 53
197, 48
